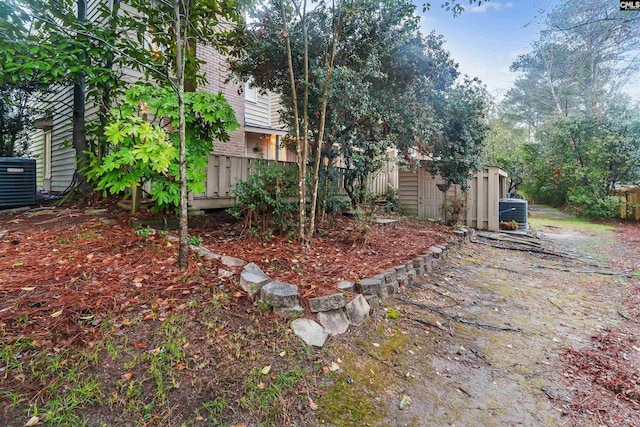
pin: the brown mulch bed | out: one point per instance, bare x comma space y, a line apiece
605, 373
343, 250
62, 271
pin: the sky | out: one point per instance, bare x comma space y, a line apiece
486, 39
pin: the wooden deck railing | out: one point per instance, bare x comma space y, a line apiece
224, 171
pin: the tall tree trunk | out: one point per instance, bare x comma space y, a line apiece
183, 253
79, 135
300, 152
323, 117
105, 101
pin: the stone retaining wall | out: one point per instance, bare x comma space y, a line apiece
353, 302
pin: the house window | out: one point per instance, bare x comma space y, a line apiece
47, 154
250, 91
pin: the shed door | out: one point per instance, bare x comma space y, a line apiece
429, 197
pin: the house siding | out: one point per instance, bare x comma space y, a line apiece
216, 70
257, 113
275, 105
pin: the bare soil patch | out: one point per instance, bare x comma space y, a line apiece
525, 339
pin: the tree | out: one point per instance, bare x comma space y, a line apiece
458, 145
568, 93
49, 44
175, 29
146, 147
368, 62
67, 49
505, 147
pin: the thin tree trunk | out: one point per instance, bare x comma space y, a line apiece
79, 135
105, 102
183, 253
323, 117
300, 152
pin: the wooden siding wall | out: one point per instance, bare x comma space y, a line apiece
257, 113
274, 111
630, 203
419, 196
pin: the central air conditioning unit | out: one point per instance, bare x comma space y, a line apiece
514, 210
17, 182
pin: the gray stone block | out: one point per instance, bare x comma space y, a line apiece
393, 287
383, 293
326, 303
400, 269
373, 301
411, 276
230, 261
381, 277
253, 279
358, 310
251, 266
390, 275
335, 321
418, 262
368, 286
310, 332
436, 251
278, 294
346, 286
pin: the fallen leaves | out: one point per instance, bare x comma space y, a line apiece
75, 270
127, 376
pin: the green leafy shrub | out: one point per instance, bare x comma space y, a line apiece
265, 197
144, 143
589, 204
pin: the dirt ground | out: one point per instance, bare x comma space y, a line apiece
501, 337
492, 337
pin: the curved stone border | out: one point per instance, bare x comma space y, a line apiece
352, 306
336, 312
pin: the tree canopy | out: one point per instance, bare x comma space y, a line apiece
568, 93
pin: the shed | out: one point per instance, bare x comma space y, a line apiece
418, 195
629, 202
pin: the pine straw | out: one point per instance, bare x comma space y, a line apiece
62, 272
56, 285
605, 372
343, 250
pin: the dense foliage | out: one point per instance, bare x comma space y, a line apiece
582, 137
388, 86
145, 142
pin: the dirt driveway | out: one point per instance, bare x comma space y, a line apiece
503, 337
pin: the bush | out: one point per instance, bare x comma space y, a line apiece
588, 204
264, 199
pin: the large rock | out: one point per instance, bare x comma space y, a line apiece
369, 286
346, 286
278, 294
335, 321
310, 332
326, 303
230, 261
358, 310
252, 279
